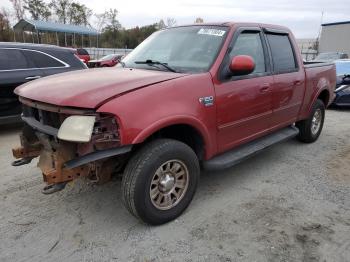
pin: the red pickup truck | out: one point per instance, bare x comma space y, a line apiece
190, 97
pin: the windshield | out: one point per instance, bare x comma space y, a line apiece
108, 57
342, 68
185, 49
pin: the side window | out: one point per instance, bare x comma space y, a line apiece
282, 53
249, 43
12, 59
41, 60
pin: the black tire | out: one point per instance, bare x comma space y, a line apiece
306, 134
139, 172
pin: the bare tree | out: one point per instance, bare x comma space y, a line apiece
170, 22
61, 9
161, 24
79, 14
112, 21
18, 6
5, 29
100, 21
199, 20
38, 9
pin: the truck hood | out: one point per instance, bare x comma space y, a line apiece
90, 88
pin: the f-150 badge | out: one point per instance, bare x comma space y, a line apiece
207, 100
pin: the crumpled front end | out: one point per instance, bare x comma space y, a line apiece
70, 143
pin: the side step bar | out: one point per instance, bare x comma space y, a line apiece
237, 155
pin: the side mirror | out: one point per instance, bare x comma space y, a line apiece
242, 65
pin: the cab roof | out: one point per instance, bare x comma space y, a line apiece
240, 24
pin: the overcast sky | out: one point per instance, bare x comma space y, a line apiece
302, 16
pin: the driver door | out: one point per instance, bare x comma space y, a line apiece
244, 103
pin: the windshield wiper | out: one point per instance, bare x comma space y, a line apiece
153, 62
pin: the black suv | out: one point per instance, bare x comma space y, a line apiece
20, 63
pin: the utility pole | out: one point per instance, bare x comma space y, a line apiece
319, 34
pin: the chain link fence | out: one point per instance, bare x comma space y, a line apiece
96, 53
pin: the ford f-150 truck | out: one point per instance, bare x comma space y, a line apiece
188, 98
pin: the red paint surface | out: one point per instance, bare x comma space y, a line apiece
145, 101
242, 63
85, 58
90, 88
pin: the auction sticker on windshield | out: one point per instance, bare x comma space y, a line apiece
211, 31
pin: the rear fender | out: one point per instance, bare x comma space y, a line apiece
323, 84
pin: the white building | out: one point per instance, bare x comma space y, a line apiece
335, 37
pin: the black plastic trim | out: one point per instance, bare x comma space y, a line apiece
275, 31
36, 125
240, 153
337, 23
97, 155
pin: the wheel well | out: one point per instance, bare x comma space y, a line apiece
324, 96
184, 133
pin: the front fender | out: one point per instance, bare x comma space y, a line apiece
177, 120
143, 112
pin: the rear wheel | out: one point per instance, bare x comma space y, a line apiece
310, 129
160, 180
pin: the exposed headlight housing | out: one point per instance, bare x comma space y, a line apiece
77, 128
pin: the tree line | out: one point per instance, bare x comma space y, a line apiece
112, 33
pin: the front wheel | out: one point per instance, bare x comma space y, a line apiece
310, 129
160, 180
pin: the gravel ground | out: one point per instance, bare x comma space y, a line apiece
289, 203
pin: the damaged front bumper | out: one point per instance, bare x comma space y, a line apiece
63, 161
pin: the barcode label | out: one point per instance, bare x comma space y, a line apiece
210, 31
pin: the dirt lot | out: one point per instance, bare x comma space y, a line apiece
289, 203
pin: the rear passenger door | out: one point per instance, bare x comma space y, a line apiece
289, 79
15, 70
47, 63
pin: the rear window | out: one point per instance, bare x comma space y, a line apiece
12, 59
42, 60
82, 51
282, 53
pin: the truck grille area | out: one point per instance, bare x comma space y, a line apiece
48, 118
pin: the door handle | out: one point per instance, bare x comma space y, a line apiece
297, 82
32, 77
264, 88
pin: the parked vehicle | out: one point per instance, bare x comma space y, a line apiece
207, 95
21, 63
342, 91
106, 61
83, 55
331, 56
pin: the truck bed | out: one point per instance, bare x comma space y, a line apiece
308, 64
317, 74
